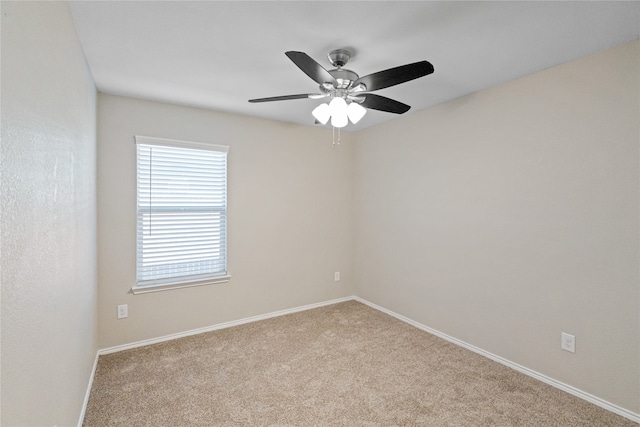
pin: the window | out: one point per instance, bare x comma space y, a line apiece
181, 214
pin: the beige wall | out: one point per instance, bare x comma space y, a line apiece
48, 226
290, 215
508, 216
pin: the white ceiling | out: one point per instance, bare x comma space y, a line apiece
219, 54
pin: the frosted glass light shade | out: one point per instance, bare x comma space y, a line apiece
322, 113
338, 109
355, 112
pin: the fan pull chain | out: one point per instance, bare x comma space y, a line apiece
334, 137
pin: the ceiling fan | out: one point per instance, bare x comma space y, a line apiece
350, 94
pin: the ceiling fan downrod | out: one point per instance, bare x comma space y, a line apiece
339, 57
344, 78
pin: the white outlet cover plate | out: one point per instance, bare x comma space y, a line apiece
123, 311
568, 342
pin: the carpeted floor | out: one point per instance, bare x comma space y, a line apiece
341, 365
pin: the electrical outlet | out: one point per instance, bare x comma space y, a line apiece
123, 311
568, 342
336, 276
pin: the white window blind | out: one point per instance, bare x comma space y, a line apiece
181, 212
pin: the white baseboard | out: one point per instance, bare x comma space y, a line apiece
538, 376
83, 411
219, 326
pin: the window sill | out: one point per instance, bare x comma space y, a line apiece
179, 285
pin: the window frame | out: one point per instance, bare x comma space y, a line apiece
179, 282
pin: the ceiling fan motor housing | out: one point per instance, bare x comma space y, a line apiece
339, 58
344, 77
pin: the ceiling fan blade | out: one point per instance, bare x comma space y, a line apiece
382, 103
285, 97
394, 76
310, 67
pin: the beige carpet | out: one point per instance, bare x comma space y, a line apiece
341, 365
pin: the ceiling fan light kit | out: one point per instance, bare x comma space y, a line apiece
322, 113
338, 107
350, 94
355, 112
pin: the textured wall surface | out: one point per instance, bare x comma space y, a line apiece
510, 216
289, 216
48, 227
